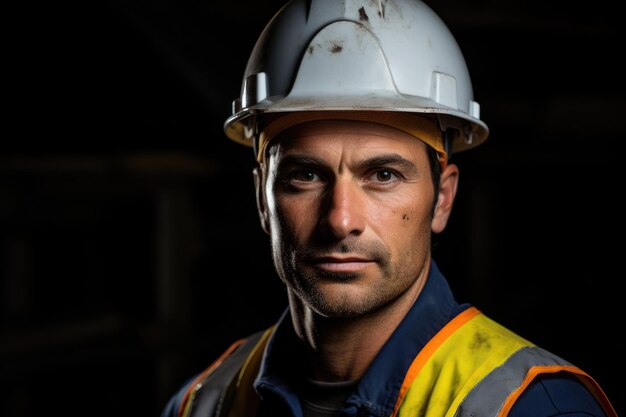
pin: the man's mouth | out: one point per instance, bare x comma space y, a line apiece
340, 263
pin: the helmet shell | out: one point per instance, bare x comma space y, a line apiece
365, 55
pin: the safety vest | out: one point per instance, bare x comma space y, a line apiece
472, 367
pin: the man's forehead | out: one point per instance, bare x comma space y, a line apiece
386, 124
334, 127
355, 138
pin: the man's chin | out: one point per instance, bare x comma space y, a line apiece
338, 303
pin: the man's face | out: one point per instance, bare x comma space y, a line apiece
348, 206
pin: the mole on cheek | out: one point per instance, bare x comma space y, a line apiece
405, 216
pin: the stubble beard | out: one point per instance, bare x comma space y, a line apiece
345, 303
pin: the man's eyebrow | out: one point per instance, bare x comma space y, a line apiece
389, 160
299, 160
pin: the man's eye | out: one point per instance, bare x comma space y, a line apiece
383, 175
304, 176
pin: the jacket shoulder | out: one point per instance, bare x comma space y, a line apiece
558, 394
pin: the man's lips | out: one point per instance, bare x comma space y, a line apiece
340, 263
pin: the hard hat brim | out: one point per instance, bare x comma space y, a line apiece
241, 127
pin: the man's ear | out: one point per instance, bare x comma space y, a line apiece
448, 184
261, 203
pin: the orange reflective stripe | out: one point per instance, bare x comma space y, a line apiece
428, 350
185, 402
537, 370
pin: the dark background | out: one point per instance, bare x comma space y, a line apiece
130, 250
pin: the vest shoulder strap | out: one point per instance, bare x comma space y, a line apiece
476, 367
215, 387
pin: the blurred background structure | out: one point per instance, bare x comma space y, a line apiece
130, 250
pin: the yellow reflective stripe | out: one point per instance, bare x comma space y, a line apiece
457, 364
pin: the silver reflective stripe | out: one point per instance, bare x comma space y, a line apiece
488, 396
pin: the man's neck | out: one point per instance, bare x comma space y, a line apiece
341, 349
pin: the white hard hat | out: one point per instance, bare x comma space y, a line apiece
357, 55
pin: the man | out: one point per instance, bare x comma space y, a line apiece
353, 109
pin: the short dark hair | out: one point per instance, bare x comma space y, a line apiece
435, 173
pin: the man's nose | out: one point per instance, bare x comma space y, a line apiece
343, 209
